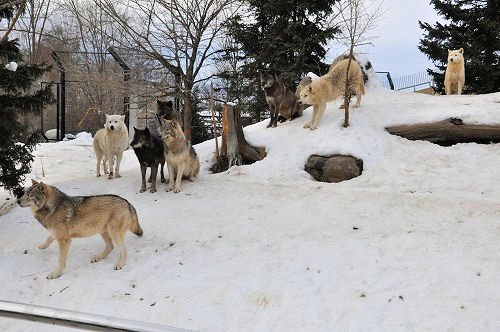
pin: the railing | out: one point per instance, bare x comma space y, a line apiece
75, 319
406, 82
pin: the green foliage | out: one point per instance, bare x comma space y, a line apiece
473, 25
199, 133
289, 36
17, 97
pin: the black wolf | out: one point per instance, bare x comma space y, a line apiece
281, 101
166, 110
150, 151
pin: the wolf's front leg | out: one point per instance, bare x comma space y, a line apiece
459, 88
63, 254
178, 180
109, 156
319, 115
171, 181
47, 243
119, 157
143, 177
310, 123
272, 111
154, 171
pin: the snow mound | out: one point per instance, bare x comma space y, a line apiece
82, 138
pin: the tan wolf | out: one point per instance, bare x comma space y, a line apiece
111, 141
454, 77
330, 87
66, 217
182, 161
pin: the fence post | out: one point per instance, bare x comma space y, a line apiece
126, 79
62, 96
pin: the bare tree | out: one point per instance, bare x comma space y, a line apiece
180, 34
33, 25
4, 4
356, 19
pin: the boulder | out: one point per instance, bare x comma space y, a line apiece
336, 168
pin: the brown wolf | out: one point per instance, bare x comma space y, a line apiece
66, 217
454, 77
281, 101
330, 87
182, 161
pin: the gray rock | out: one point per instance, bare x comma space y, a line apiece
336, 168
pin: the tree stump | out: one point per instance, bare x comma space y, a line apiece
235, 149
448, 132
336, 168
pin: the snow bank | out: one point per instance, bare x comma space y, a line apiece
411, 244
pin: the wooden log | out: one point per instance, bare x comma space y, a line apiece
448, 132
249, 153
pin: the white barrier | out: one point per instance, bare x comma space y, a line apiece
77, 319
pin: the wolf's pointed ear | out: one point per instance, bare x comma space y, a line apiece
107, 116
122, 117
170, 104
461, 50
33, 182
146, 131
45, 188
449, 51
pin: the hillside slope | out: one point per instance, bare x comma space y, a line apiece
411, 244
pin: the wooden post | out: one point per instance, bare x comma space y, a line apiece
217, 154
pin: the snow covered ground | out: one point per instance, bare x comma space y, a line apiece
413, 244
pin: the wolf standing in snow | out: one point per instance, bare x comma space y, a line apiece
454, 77
149, 150
111, 141
182, 161
66, 217
330, 87
281, 101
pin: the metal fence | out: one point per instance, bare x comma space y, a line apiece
412, 82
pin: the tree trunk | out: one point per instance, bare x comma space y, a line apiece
187, 111
235, 149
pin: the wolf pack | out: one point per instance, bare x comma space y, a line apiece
111, 216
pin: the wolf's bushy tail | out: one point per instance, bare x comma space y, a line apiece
134, 226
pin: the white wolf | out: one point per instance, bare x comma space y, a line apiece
111, 141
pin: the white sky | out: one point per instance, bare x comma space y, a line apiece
398, 35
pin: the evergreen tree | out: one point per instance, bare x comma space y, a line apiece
17, 97
289, 36
475, 26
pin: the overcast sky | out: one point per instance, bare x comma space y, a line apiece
395, 49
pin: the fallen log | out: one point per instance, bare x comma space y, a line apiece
448, 132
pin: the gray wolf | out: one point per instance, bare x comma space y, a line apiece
66, 217
454, 77
149, 150
330, 87
111, 141
182, 161
166, 110
281, 101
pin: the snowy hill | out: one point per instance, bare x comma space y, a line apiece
410, 245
